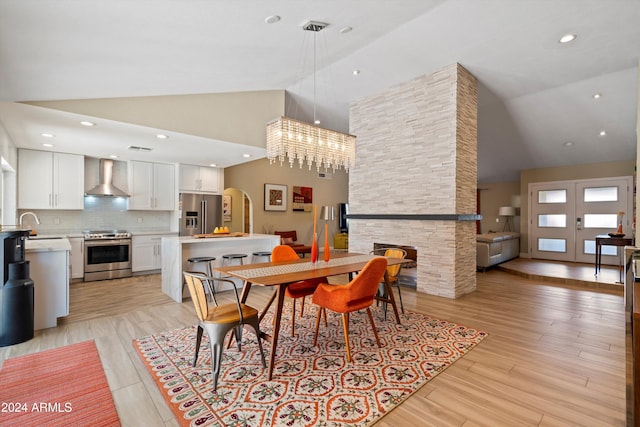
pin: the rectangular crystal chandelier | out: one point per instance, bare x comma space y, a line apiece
299, 141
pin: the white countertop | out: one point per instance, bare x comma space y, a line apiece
47, 245
254, 236
154, 233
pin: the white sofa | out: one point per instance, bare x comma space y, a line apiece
494, 248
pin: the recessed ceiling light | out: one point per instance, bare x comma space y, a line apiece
345, 30
47, 145
48, 135
602, 133
316, 122
272, 19
161, 136
596, 96
87, 123
356, 72
567, 38
246, 155
213, 165
113, 156
569, 144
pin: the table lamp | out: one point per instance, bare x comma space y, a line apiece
326, 214
508, 212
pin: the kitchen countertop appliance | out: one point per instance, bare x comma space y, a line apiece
107, 254
16, 289
199, 213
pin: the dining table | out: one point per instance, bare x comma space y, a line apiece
281, 274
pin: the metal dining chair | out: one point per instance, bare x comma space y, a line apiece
219, 319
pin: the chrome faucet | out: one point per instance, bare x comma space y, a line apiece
28, 213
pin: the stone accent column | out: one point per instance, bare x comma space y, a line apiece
416, 154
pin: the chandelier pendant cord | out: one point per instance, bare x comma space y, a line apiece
315, 44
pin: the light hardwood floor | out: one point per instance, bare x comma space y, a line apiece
555, 354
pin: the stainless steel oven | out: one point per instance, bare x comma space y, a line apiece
107, 255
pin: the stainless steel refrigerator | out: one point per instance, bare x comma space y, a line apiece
199, 213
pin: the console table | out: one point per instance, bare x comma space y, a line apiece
610, 241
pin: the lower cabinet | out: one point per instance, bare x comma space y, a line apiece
49, 271
146, 255
76, 257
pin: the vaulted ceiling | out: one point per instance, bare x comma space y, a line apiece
536, 95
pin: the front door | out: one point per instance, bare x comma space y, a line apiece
566, 216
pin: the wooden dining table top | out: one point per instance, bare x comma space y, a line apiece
277, 273
281, 274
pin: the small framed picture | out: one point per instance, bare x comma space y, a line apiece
275, 197
226, 207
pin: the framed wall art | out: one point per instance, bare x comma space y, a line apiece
226, 207
302, 199
275, 197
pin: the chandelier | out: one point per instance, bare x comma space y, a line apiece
300, 141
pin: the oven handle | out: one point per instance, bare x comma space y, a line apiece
119, 242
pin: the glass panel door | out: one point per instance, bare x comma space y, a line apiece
566, 217
598, 203
552, 207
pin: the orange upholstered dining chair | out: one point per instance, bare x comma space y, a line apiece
356, 295
298, 289
219, 319
393, 271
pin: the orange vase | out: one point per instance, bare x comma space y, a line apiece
327, 251
619, 230
314, 248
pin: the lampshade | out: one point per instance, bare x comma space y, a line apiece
326, 213
507, 211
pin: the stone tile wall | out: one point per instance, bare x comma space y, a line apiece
416, 153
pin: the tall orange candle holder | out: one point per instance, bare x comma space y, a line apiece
314, 244
327, 250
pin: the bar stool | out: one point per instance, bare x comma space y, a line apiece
205, 261
260, 254
228, 259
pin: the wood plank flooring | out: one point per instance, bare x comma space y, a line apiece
555, 355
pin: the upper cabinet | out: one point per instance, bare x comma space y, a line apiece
200, 179
49, 180
152, 186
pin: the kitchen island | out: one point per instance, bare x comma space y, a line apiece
49, 268
176, 250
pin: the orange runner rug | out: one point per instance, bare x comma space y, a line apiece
312, 385
65, 386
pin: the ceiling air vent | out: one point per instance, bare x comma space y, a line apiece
325, 175
134, 148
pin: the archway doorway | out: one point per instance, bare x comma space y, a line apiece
239, 216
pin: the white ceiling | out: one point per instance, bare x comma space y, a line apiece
534, 93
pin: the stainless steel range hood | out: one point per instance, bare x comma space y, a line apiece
106, 188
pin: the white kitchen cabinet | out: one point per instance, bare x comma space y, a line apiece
199, 179
76, 257
49, 271
50, 180
146, 253
152, 186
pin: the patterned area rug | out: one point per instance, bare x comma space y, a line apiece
311, 386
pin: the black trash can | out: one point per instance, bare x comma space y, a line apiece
16, 305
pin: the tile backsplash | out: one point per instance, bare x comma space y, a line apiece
100, 213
